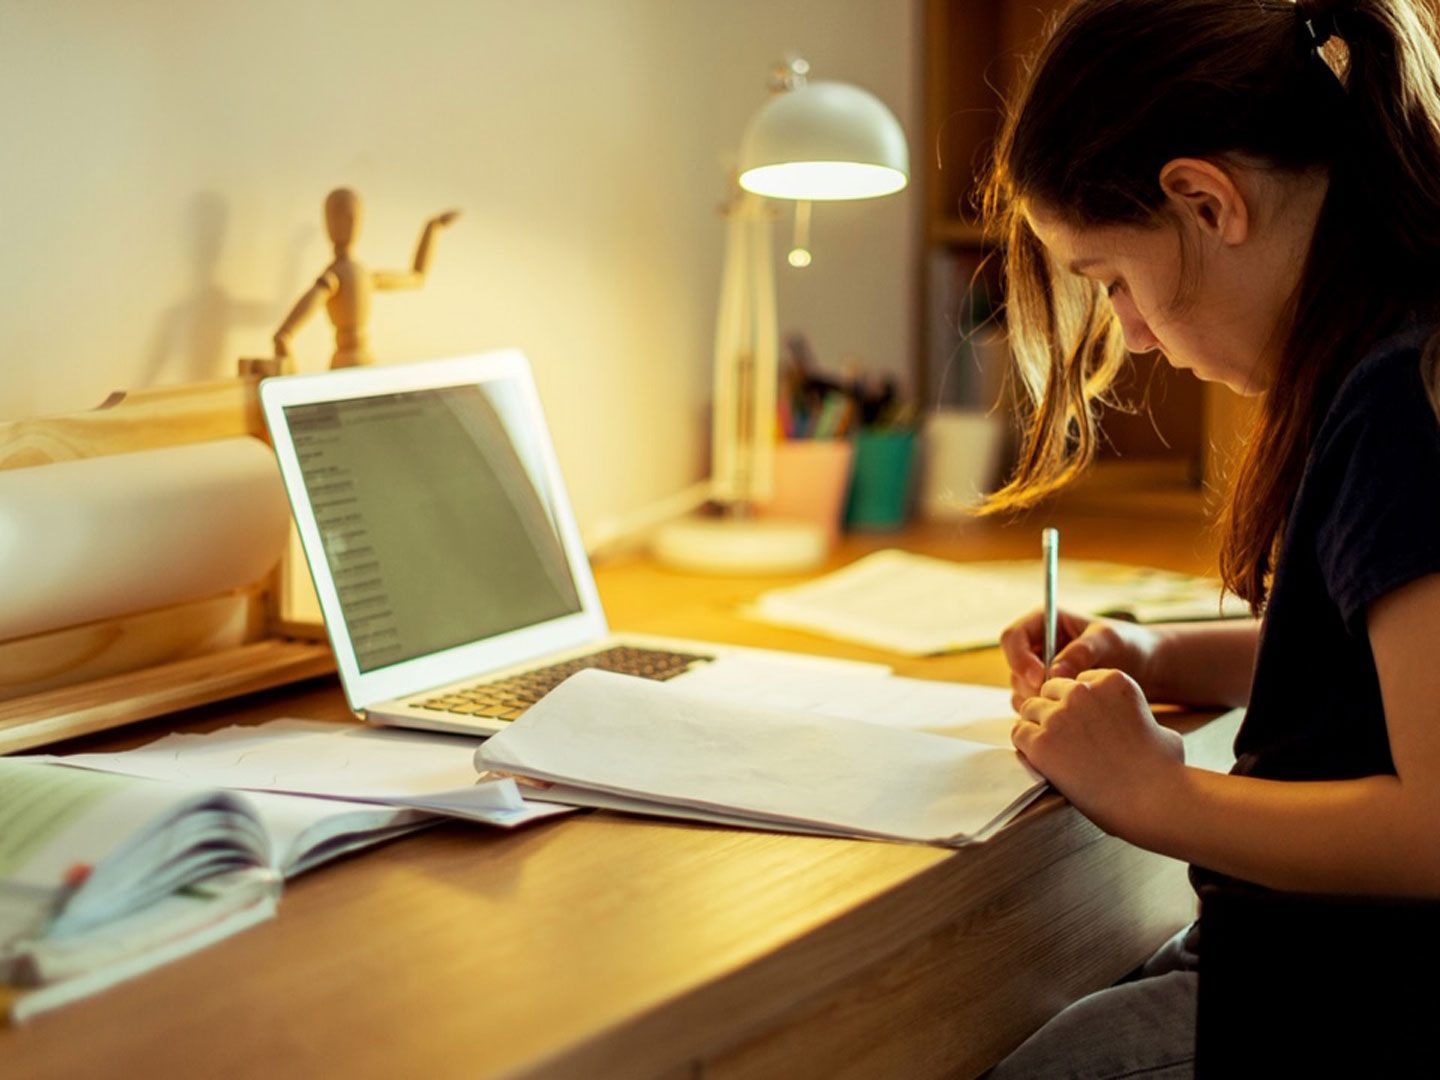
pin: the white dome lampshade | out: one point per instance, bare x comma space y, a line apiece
824, 141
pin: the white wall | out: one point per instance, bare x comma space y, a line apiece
162, 167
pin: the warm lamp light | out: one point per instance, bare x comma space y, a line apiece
823, 141
822, 181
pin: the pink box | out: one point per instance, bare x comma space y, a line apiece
812, 478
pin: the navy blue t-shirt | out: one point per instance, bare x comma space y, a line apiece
1366, 520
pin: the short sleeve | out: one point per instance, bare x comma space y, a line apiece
1379, 456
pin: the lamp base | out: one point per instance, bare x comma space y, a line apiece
741, 546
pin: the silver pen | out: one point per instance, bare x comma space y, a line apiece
1050, 546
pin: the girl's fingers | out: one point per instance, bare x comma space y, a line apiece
1018, 643
1020, 692
1072, 625
1035, 709
1076, 657
1055, 689
1024, 639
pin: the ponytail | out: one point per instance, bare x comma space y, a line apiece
1391, 72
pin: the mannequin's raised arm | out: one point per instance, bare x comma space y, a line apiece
415, 277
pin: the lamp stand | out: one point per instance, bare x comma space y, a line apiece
743, 440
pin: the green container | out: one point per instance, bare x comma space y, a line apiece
880, 491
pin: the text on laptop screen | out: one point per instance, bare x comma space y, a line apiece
435, 517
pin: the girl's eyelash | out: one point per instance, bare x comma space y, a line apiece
1113, 288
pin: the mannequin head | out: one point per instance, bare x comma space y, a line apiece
343, 212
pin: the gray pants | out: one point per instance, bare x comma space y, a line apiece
1141, 1028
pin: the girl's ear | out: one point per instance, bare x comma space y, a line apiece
1205, 194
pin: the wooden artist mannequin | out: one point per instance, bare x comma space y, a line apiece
346, 285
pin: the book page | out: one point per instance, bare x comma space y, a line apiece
917, 605
305, 832
310, 780
57, 826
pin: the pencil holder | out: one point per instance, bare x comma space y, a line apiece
880, 489
811, 478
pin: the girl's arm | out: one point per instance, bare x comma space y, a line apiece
1096, 741
1204, 663
1193, 664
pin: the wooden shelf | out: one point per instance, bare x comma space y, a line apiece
69, 711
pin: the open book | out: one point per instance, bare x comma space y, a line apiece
678, 749
104, 876
917, 605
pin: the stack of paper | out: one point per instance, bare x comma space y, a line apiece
602, 739
961, 710
920, 606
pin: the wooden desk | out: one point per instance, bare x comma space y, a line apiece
604, 945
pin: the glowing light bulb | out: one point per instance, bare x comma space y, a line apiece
799, 256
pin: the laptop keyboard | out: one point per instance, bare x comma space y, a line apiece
507, 698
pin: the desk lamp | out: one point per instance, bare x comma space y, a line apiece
811, 141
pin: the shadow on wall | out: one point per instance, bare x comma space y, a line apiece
191, 339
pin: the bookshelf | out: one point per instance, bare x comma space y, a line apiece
1165, 456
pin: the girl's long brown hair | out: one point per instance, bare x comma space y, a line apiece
1123, 86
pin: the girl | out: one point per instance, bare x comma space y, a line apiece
1251, 188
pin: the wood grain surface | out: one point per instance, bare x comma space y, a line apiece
604, 945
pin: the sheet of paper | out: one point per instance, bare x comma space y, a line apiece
919, 606
416, 770
658, 742
963, 710
305, 831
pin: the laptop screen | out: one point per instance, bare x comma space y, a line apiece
435, 516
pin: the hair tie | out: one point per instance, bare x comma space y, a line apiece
1319, 28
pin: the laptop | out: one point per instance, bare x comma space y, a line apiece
453, 581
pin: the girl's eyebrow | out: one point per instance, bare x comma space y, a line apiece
1079, 266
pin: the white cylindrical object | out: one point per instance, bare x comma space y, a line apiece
109, 536
729, 546
961, 456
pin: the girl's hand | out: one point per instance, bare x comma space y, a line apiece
1081, 643
1095, 739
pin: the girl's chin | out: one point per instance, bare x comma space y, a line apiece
1239, 383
